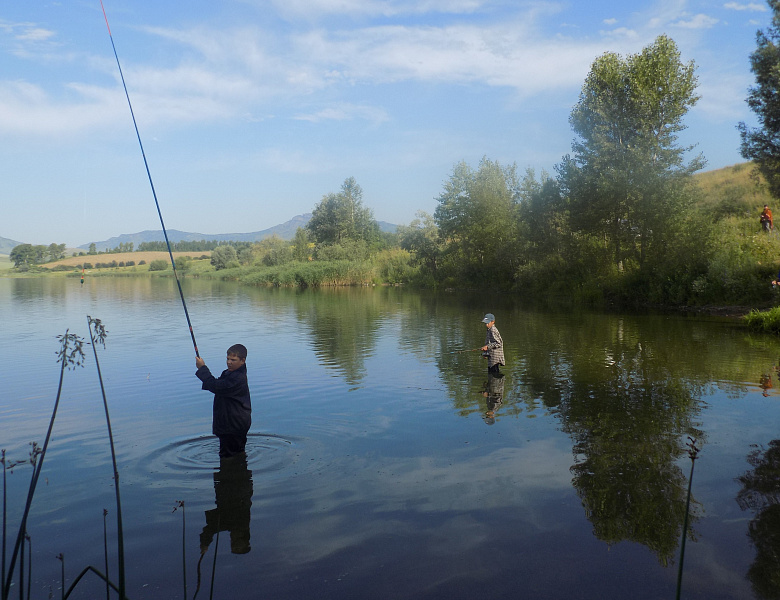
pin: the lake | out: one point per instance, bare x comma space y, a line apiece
382, 461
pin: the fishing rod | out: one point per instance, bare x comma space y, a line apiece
467, 350
151, 183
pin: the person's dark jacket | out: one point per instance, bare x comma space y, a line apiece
232, 406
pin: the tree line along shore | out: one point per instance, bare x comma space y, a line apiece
627, 219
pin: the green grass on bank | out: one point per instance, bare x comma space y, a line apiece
765, 320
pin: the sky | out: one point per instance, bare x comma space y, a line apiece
250, 111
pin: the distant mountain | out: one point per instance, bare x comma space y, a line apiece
387, 227
7, 245
286, 231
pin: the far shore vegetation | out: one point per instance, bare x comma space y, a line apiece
734, 264
629, 219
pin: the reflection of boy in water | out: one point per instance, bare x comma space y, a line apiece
233, 491
232, 413
494, 396
766, 383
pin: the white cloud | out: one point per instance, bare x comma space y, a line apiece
609, 21
508, 55
35, 34
752, 6
312, 9
700, 21
26, 108
346, 112
232, 73
620, 33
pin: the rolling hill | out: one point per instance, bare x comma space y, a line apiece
7, 245
286, 231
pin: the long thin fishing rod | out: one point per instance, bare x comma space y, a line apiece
151, 183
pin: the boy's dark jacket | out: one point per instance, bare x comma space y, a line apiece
232, 406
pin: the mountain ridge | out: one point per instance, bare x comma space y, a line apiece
285, 230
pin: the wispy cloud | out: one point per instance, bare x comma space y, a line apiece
700, 21
238, 72
26, 108
25, 36
620, 33
346, 112
510, 55
752, 6
313, 9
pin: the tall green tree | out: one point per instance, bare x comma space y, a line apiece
342, 216
56, 251
762, 144
273, 251
301, 245
477, 221
22, 255
545, 216
627, 167
224, 256
421, 238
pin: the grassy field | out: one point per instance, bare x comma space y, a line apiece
5, 262
123, 257
736, 190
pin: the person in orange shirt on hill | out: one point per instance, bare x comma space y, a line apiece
766, 219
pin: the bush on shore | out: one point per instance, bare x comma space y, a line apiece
767, 321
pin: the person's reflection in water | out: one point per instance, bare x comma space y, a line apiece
765, 382
493, 393
233, 491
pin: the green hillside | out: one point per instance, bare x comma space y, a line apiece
736, 191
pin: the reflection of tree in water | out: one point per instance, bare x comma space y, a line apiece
761, 493
627, 443
621, 396
344, 324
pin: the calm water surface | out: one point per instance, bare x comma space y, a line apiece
382, 461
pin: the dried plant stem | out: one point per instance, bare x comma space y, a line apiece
5, 521
97, 334
693, 453
70, 355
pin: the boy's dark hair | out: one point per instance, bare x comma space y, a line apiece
239, 350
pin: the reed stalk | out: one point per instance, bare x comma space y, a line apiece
693, 453
29, 562
70, 356
97, 334
180, 505
61, 558
5, 519
105, 552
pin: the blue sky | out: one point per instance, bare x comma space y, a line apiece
250, 111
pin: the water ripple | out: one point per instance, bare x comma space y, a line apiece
266, 453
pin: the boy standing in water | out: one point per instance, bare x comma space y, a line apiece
232, 413
494, 346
